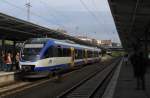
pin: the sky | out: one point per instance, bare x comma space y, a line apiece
91, 18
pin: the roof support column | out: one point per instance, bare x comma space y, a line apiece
14, 50
3, 45
146, 44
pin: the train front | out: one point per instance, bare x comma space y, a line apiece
30, 56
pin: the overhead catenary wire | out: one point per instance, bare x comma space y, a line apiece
95, 5
57, 12
49, 8
90, 12
93, 15
21, 8
54, 10
134, 14
133, 18
46, 19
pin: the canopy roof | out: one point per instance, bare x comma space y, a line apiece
16, 29
132, 19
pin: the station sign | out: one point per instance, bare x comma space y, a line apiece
8, 42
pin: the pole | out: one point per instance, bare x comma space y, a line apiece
86, 35
76, 28
28, 5
3, 45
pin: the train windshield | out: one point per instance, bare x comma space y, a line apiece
31, 52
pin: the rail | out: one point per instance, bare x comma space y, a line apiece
89, 85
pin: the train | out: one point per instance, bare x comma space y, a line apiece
47, 55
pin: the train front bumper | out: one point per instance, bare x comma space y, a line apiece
29, 74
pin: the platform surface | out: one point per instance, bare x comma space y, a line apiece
2, 73
126, 84
6, 77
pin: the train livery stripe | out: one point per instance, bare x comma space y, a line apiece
53, 61
52, 68
55, 67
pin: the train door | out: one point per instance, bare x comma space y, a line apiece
73, 56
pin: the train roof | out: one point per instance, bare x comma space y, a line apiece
63, 42
76, 45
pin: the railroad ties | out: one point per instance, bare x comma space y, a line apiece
88, 87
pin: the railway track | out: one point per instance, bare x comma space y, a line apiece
18, 87
88, 87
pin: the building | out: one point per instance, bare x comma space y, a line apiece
96, 42
85, 39
99, 42
104, 42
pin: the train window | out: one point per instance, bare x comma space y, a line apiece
69, 52
80, 54
95, 53
60, 52
55, 51
83, 53
90, 54
48, 53
66, 52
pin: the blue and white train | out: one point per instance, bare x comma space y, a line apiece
50, 55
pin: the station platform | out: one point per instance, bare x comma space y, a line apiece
123, 84
6, 77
